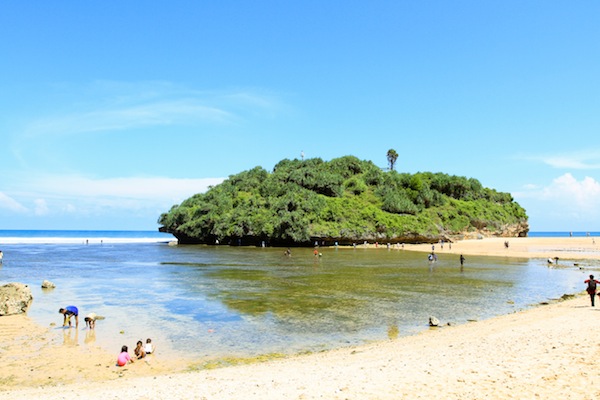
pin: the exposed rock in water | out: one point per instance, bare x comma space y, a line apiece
433, 321
15, 298
48, 285
567, 296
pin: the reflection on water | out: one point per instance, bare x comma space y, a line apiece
90, 336
70, 337
204, 301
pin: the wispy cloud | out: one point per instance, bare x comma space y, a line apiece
116, 106
72, 195
10, 204
172, 112
586, 159
128, 187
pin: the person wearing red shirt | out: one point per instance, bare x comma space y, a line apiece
591, 289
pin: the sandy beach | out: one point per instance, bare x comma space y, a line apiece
546, 352
567, 248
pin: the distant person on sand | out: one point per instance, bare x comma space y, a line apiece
139, 350
124, 357
591, 288
149, 347
69, 312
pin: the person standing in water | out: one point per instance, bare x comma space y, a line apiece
90, 320
68, 312
591, 288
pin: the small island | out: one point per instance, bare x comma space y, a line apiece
344, 201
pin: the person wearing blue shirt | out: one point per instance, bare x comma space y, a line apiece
69, 312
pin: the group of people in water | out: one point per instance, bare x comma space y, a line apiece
141, 350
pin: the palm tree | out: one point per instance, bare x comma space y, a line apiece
392, 156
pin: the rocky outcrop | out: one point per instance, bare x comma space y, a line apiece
520, 229
15, 298
508, 230
48, 285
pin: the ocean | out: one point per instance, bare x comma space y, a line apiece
203, 302
564, 234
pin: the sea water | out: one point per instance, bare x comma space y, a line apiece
214, 301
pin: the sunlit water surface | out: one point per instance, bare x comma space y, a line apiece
204, 301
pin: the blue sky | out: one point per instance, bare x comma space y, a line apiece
112, 112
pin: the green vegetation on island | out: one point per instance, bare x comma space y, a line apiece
345, 200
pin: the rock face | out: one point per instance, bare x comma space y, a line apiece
48, 285
15, 298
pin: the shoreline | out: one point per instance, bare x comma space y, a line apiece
545, 352
504, 356
567, 248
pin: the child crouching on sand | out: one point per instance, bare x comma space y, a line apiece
124, 357
149, 347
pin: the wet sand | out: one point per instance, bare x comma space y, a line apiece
546, 352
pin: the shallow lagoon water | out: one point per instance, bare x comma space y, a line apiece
206, 301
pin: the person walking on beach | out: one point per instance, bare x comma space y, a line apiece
591, 288
68, 312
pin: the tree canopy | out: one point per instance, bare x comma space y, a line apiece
392, 156
343, 200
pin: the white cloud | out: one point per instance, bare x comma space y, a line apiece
585, 159
119, 106
10, 204
182, 111
568, 190
151, 188
564, 204
55, 195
